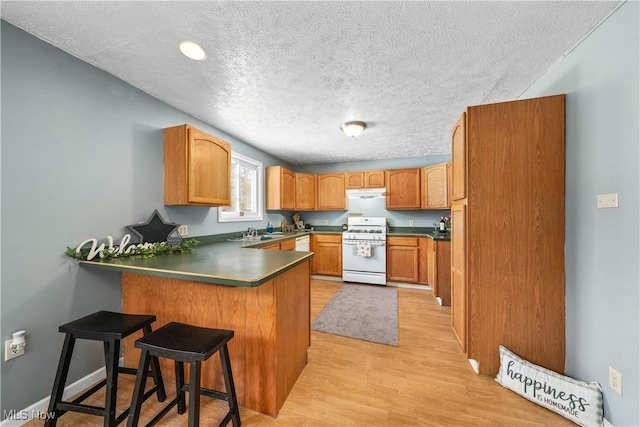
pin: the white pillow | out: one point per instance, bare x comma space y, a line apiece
579, 401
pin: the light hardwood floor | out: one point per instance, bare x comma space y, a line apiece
425, 381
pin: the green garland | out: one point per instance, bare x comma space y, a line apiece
149, 252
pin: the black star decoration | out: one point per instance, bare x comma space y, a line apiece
154, 230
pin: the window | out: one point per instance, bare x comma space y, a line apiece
246, 191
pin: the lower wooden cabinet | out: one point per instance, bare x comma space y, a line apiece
327, 249
285, 245
288, 245
438, 255
403, 255
272, 246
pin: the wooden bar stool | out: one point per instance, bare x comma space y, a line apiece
110, 328
186, 344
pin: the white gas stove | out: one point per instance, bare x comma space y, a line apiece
364, 250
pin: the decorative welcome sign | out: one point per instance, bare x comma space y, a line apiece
579, 401
155, 237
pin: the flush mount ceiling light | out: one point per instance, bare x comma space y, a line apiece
192, 50
353, 129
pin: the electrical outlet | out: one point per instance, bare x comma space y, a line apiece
183, 230
615, 380
8, 354
326, 222
412, 223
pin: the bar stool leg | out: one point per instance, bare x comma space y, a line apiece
138, 390
230, 388
182, 406
155, 371
111, 364
194, 394
60, 381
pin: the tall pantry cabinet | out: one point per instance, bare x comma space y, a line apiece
507, 242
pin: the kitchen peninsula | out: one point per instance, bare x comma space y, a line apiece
262, 295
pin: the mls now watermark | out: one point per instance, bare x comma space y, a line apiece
23, 415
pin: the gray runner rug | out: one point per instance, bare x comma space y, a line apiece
368, 313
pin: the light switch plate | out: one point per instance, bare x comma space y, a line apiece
608, 200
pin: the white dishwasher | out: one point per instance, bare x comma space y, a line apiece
302, 243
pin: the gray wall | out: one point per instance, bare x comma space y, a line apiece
81, 157
600, 78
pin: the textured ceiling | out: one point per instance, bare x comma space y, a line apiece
283, 76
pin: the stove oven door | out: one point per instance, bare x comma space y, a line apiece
375, 263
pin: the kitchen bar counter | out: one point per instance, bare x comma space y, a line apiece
262, 295
237, 263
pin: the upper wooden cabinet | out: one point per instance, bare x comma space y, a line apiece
354, 180
508, 232
281, 188
459, 159
197, 168
305, 191
403, 189
331, 191
434, 187
374, 179
365, 179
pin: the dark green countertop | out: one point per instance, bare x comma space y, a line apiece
419, 232
224, 263
237, 263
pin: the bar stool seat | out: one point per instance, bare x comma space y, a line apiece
110, 328
186, 344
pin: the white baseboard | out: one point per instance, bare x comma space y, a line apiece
330, 278
38, 410
409, 286
475, 365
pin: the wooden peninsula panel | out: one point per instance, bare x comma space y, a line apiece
271, 324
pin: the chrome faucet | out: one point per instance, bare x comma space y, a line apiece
252, 232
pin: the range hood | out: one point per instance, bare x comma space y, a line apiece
366, 193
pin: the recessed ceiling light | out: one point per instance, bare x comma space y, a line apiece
192, 50
353, 129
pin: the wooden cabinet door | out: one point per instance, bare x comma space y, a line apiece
449, 185
458, 274
281, 188
272, 246
442, 276
330, 191
288, 245
431, 266
403, 189
434, 187
305, 184
197, 168
423, 261
327, 259
459, 159
403, 259
354, 180
374, 179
